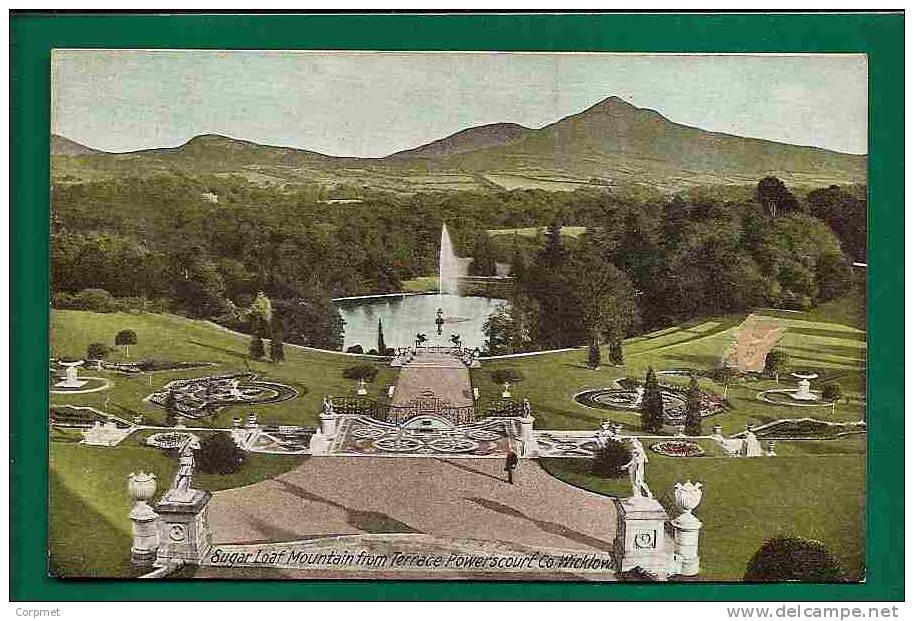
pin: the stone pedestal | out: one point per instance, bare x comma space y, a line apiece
328, 425
685, 547
319, 444
641, 539
361, 389
183, 535
145, 534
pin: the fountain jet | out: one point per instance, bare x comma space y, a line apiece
448, 265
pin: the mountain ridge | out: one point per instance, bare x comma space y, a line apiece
612, 140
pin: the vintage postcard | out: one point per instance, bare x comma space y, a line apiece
458, 316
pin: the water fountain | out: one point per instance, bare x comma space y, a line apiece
405, 316
448, 265
802, 393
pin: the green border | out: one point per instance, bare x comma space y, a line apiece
32, 36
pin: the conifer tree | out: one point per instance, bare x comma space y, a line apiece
651, 404
256, 348
693, 409
382, 346
276, 335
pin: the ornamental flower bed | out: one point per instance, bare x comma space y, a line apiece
678, 448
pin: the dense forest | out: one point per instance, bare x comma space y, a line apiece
161, 243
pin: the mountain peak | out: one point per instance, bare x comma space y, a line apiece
616, 105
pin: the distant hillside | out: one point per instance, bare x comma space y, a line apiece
471, 139
616, 140
612, 143
65, 146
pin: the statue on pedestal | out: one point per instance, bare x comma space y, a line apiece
182, 488
636, 470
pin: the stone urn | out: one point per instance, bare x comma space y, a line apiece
142, 486
688, 495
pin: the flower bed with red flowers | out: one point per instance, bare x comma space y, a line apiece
678, 448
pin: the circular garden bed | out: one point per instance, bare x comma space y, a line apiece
678, 448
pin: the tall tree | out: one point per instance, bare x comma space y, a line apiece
605, 297
774, 196
693, 409
382, 346
277, 334
651, 404
126, 338
256, 348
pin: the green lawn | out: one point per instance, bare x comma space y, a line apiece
833, 350
89, 505
314, 374
420, 284
538, 231
747, 501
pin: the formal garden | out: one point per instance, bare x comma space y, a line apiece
212, 370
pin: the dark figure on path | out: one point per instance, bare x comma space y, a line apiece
510, 465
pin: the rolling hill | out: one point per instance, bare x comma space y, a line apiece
612, 142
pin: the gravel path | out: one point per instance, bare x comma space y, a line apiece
441, 374
451, 499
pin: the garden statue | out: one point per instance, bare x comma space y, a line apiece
526, 407
328, 406
182, 486
506, 393
439, 320
636, 470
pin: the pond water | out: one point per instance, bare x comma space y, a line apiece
404, 316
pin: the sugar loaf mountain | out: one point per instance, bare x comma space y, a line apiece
610, 143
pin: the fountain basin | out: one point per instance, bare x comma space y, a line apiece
404, 316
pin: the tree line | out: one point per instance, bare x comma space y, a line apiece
154, 243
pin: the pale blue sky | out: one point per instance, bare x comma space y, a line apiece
372, 104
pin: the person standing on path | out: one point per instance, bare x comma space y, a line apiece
510, 465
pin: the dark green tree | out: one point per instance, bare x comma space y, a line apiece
604, 295
651, 404
773, 195
96, 351
483, 256
219, 454
256, 349
777, 361
507, 375
364, 372
611, 459
382, 346
693, 409
593, 354
277, 334
171, 409
793, 559
615, 350
125, 338
831, 392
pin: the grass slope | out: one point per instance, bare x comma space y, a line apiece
747, 501
89, 532
813, 340
314, 374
